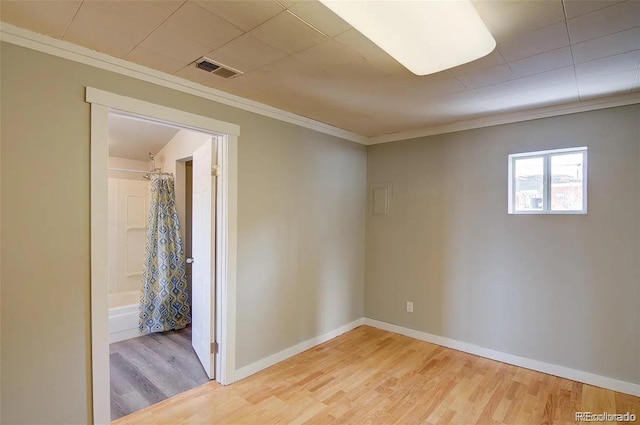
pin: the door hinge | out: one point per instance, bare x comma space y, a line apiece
215, 170
214, 348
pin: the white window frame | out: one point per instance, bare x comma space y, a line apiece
546, 202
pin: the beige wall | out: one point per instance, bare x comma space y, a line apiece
563, 289
301, 202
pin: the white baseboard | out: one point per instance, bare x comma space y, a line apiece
255, 367
551, 369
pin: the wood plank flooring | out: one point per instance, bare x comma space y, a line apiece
370, 376
152, 368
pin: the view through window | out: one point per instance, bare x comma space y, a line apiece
548, 182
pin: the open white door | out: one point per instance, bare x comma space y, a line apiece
204, 254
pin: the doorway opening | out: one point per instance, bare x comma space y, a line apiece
213, 240
151, 257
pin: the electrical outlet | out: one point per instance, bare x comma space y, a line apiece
410, 306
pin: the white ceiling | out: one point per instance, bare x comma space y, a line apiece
300, 57
132, 138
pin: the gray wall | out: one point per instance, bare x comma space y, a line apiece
563, 289
301, 200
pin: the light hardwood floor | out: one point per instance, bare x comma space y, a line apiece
370, 376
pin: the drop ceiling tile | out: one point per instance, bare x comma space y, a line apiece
506, 19
274, 89
621, 42
201, 26
246, 86
620, 17
366, 118
437, 89
320, 17
275, 94
349, 83
246, 53
290, 3
463, 104
174, 45
155, 60
492, 59
581, 7
545, 96
46, 17
245, 14
360, 69
116, 27
291, 76
290, 65
555, 59
364, 47
534, 42
419, 97
487, 77
326, 55
532, 82
621, 82
609, 65
544, 79
287, 33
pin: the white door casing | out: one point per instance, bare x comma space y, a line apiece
203, 236
103, 103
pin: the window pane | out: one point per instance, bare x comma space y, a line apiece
567, 182
529, 184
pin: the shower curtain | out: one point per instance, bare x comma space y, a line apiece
164, 304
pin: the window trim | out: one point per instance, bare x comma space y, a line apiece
546, 200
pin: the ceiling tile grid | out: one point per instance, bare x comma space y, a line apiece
117, 27
200, 25
608, 45
287, 33
246, 53
609, 20
46, 17
245, 14
554, 59
576, 8
299, 56
534, 42
595, 86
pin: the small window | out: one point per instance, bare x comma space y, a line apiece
548, 182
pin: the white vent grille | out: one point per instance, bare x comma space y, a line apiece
216, 68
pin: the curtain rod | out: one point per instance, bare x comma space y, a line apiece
127, 170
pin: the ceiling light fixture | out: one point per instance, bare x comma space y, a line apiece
426, 36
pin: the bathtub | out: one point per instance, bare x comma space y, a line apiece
123, 316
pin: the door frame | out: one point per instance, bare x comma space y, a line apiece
102, 102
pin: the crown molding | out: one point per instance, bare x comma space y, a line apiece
42, 43
512, 117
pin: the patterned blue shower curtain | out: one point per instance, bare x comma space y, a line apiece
164, 304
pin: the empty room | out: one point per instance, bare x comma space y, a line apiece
319, 212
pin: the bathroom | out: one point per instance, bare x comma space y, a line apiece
147, 367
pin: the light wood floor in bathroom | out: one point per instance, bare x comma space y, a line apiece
152, 368
370, 376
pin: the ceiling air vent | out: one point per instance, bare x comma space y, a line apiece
215, 68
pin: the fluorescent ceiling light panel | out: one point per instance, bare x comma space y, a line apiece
425, 36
